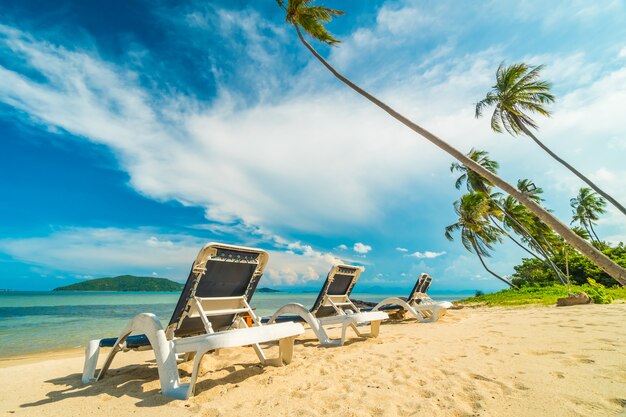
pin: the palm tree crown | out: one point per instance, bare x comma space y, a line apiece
477, 233
587, 207
310, 18
473, 180
517, 91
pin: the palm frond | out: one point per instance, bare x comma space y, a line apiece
517, 92
311, 19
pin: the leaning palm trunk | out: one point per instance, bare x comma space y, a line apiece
598, 241
584, 223
545, 260
572, 169
532, 242
506, 281
615, 271
507, 234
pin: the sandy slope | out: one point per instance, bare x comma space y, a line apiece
490, 362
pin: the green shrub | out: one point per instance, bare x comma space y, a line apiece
597, 292
534, 272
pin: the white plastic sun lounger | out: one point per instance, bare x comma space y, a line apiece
209, 315
418, 303
333, 307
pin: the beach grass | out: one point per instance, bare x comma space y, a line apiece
534, 295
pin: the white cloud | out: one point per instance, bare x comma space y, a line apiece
105, 252
342, 247
402, 249
427, 254
227, 159
622, 53
361, 248
113, 251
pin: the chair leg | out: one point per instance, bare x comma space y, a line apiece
375, 325
285, 349
92, 351
118, 347
374, 329
260, 354
194, 374
285, 352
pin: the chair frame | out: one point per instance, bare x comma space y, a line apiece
349, 318
169, 349
418, 304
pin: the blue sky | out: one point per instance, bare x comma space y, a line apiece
133, 132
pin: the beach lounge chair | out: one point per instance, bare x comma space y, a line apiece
418, 303
333, 307
209, 315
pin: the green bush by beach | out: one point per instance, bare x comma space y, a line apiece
544, 295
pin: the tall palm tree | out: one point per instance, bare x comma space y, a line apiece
477, 233
587, 207
303, 15
519, 91
475, 182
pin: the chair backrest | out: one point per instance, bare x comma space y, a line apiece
334, 296
422, 283
426, 285
217, 292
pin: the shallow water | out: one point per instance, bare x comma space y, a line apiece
39, 321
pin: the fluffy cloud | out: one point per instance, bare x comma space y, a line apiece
427, 254
361, 248
113, 251
402, 249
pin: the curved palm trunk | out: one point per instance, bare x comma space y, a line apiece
615, 271
526, 234
573, 170
532, 241
507, 234
594, 233
584, 223
506, 281
545, 260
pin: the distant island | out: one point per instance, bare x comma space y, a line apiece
133, 283
124, 283
265, 289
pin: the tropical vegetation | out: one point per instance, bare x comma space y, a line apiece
543, 295
588, 207
519, 91
303, 15
486, 218
531, 272
478, 234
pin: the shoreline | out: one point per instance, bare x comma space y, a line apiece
506, 361
40, 356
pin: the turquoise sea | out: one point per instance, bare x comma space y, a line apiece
39, 321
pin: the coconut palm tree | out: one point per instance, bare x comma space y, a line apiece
581, 232
304, 16
519, 91
478, 235
587, 207
475, 182
472, 180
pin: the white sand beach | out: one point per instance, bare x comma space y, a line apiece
534, 361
